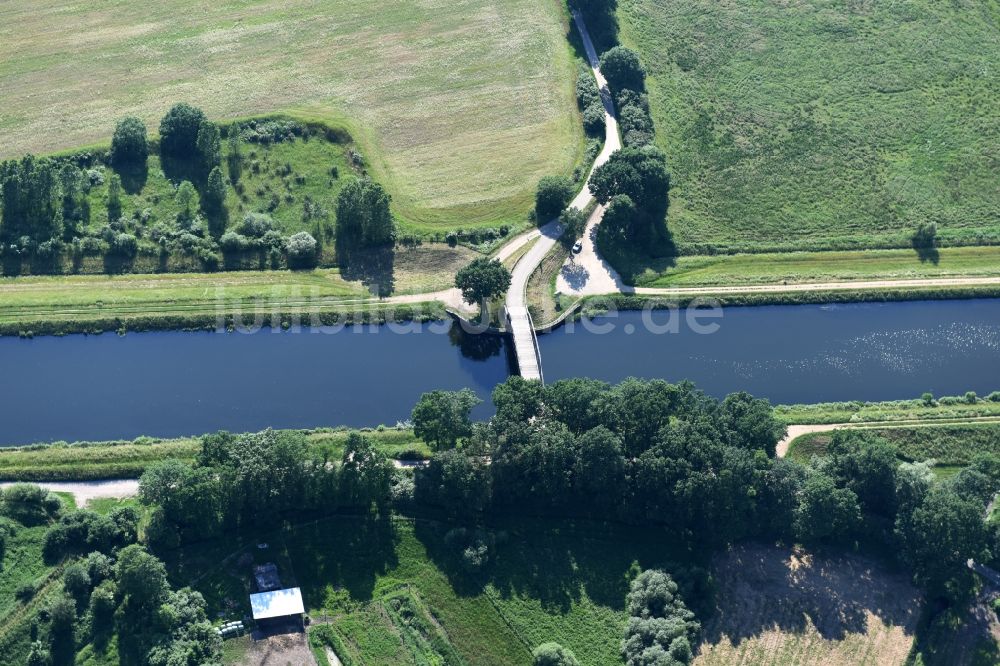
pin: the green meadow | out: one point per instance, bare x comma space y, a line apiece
823, 125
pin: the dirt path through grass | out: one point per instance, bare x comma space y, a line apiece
84, 491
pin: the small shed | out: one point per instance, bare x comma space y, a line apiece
277, 605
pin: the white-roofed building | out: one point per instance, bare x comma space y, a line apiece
284, 604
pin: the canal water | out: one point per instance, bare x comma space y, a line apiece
167, 384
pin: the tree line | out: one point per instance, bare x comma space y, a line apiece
665, 455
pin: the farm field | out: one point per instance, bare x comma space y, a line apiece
780, 606
801, 267
460, 107
823, 125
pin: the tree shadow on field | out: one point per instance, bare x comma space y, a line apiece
766, 588
346, 552
133, 177
374, 267
557, 564
927, 253
11, 264
177, 170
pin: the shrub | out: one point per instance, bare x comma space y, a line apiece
255, 225
124, 245
660, 628
971, 397
553, 654
29, 504
179, 131
102, 606
232, 242
129, 145
593, 118
554, 192
586, 87
25, 592
8, 528
301, 249
928, 399
994, 397
621, 66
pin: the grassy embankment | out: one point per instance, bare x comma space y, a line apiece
128, 459
596, 305
85, 303
811, 267
942, 410
452, 155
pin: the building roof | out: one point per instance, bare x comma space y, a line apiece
277, 603
267, 578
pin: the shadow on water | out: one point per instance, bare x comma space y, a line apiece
475, 346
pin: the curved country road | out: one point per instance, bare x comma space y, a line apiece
551, 231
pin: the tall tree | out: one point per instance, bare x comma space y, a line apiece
938, 537
826, 513
622, 68
32, 205
442, 418
129, 145
209, 144
482, 280
363, 213
179, 131
553, 193
750, 423
114, 198
213, 201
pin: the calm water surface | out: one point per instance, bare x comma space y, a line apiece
800, 353
166, 384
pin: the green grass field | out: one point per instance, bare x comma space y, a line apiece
801, 267
951, 446
461, 106
823, 125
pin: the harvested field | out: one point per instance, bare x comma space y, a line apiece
782, 606
460, 106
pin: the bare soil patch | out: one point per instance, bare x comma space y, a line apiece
280, 650
784, 606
